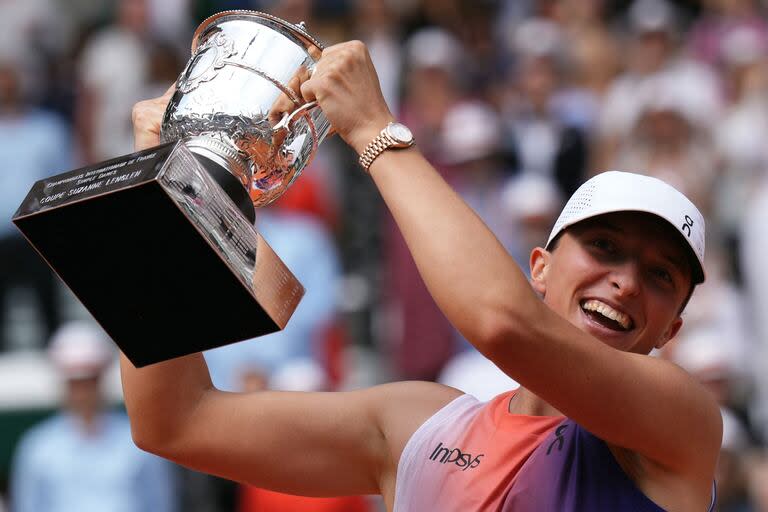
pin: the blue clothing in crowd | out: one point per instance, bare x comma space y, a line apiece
307, 248
60, 468
33, 145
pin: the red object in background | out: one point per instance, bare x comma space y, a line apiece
253, 499
310, 195
331, 353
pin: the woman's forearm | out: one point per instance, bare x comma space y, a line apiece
468, 272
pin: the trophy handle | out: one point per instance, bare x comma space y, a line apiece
288, 119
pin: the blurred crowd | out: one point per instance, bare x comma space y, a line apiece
516, 102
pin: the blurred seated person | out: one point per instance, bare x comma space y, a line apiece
83, 458
543, 135
34, 144
297, 231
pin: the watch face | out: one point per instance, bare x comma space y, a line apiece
400, 133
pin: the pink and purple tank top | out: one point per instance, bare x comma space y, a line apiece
475, 456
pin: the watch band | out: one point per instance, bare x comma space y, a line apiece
400, 138
377, 146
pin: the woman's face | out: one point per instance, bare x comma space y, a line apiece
621, 277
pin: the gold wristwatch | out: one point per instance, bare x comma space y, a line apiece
393, 136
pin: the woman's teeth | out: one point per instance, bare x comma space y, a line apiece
607, 311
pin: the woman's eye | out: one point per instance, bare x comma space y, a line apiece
603, 245
662, 274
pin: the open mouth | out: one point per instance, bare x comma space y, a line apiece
607, 316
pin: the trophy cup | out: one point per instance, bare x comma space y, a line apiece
160, 245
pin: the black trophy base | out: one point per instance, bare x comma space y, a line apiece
161, 258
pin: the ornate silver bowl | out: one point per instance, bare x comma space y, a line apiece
238, 103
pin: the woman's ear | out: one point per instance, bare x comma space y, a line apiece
539, 265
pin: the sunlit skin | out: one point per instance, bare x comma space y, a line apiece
633, 262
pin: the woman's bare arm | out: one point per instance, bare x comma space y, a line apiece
623, 398
321, 444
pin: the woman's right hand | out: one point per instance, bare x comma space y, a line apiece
147, 117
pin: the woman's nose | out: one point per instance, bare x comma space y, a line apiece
625, 279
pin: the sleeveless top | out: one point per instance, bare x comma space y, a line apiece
474, 456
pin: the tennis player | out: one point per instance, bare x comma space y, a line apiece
597, 425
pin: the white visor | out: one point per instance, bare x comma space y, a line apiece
615, 191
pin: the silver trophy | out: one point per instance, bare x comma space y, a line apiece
238, 103
160, 245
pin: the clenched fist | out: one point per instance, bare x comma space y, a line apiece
346, 86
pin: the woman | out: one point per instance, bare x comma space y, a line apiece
596, 425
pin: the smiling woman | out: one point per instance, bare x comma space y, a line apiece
626, 274
591, 427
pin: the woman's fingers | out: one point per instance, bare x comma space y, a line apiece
147, 117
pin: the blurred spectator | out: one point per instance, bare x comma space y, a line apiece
171, 21
593, 60
532, 202
754, 239
539, 139
105, 102
718, 22
669, 143
294, 11
705, 354
205, 8
470, 22
758, 476
34, 144
434, 59
471, 154
732, 470
416, 335
83, 458
713, 346
306, 247
32, 31
655, 69
740, 135
377, 28
164, 63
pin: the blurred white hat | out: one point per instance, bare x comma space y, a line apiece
689, 90
743, 45
703, 352
470, 131
434, 48
301, 374
537, 38
652, 16
80, 350
531, 195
